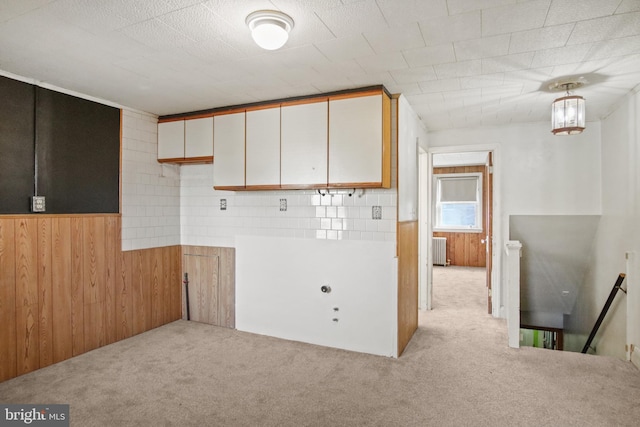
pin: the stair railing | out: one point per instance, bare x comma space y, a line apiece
616, 287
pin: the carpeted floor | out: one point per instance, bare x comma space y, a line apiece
457, 371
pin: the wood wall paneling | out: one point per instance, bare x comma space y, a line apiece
157, 288
140, 300
27, 314
112, 258
407, 282
165, 284
8, 343
466, 249
45, 289
61, 272
77, 287
124, 297
68, 288
93, 247
176, 283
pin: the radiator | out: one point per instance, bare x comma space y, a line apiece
439, 251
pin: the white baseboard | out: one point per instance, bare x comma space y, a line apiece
635, 356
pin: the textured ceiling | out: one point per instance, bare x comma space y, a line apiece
459, 62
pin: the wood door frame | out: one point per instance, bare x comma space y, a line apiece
426, 229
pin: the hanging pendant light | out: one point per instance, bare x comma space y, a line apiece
269, 28
567, 112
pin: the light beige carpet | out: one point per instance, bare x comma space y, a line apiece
457, 371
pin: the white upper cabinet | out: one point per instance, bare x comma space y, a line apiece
356, 141
229, 150
304, 144
198, 138
263, 147
171, 140
186, 141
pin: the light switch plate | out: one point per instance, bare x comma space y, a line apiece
38, 204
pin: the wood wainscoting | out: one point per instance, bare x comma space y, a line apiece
67, 288
407, 282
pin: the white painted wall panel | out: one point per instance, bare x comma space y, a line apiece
278, 283
411, 135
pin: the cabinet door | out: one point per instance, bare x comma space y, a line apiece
228, 150
263, 147
171, 140
355, 141
304, 144
198, 137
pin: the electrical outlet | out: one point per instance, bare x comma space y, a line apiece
283, 205
223, 204
38, 204
376, 212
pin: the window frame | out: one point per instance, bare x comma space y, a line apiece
437, 205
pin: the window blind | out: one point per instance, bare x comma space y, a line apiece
459, 189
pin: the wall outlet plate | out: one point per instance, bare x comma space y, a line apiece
376, 212
283, 205
223, 204
38, 204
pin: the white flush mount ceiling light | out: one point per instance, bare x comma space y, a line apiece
567, 112
269, 28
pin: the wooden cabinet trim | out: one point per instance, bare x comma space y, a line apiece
230, 111
386, 141
262, 187
45, 215
229, 188
219, 111
263, 107
372, 92
355, 185
188, 160
305, 101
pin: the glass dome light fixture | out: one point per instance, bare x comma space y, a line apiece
567, 112
269, 28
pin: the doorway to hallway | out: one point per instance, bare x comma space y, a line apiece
459, 190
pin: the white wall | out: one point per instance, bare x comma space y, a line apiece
150, 190
411, 135
541, 174
278, 291
617, 234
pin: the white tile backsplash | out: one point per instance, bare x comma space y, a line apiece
150, 190
309, 215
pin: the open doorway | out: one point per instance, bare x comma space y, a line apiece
458, 205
